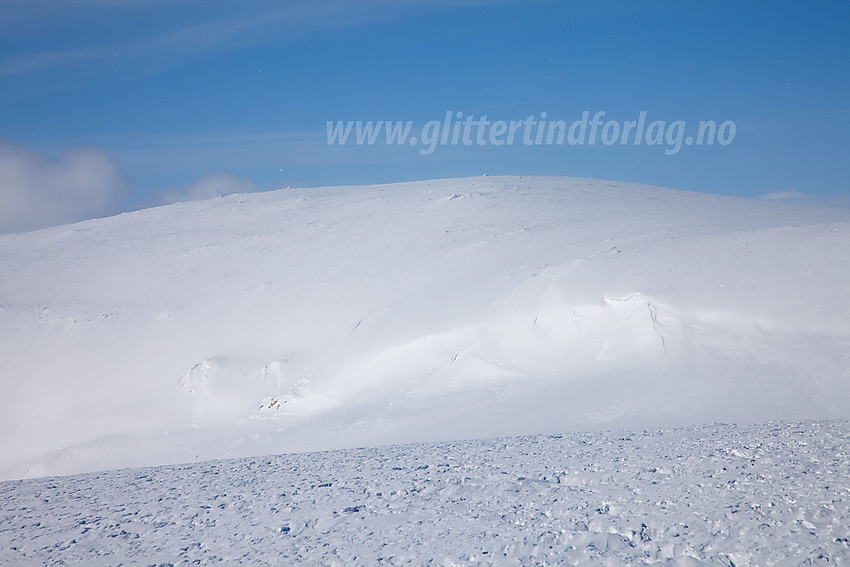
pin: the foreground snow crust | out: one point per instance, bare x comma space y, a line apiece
307, 319
758, 495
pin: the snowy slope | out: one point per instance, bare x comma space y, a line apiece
748, 496
337, 317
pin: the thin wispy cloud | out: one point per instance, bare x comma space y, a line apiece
31, 62
269, 23
262, 151
786, 195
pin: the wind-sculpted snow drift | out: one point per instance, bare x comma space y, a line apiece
704, 496
335, 317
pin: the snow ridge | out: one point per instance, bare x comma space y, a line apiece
323, 318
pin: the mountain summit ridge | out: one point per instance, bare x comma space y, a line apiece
318, 318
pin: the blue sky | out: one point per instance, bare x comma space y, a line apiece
155, 101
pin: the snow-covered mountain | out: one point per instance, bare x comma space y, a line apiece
334, 317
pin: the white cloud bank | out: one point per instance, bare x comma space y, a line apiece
37, 192
207, 187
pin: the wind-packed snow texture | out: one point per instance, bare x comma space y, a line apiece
774, 494
307, 319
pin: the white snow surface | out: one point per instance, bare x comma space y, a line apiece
324, 318
720, 495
